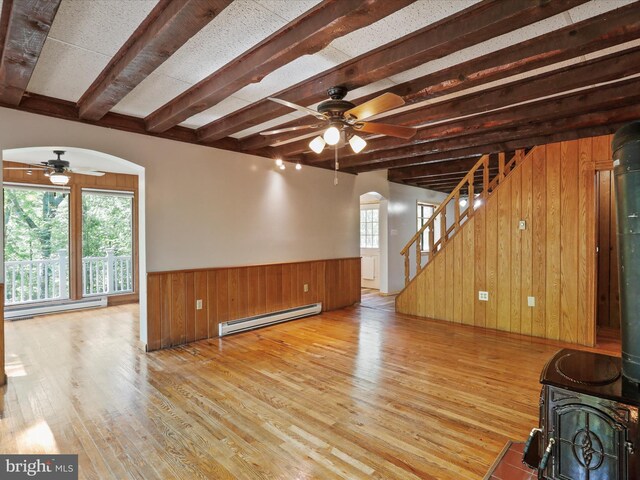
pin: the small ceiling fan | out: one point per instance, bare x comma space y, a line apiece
344, 119
57, 169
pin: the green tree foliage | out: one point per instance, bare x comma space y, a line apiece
36, 223
106, 223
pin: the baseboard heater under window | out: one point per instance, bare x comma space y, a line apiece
31, 310
249, 323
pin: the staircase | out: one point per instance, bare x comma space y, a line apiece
474, 190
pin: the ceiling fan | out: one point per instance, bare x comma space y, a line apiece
344, 119
57, 169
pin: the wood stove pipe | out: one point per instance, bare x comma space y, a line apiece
626, 168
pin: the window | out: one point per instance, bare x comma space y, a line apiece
425, 212
370, 226
107, 242
36, 243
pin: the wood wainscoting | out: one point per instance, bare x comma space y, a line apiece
553, 259
238, 292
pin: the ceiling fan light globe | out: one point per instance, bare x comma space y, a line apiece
317, 144
357, 143
59, 178
332, 135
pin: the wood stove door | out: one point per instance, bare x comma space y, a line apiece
589, 445
591, 437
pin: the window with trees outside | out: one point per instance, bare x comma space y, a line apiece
370, 226
65, 243
425, 212
36, 252
107, 242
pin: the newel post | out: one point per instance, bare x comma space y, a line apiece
62, 261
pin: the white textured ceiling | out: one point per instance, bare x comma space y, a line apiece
86, 33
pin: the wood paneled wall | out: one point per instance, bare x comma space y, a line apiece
239, 292
608, 313
553, 259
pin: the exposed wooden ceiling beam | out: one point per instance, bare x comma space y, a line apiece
589, 100
54, 107
541, 138
475, 24
596, 33
530, 130
24, 27
169, 25
307, 34
433, 169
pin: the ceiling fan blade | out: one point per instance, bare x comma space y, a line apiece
24, 168
291, 129
384, 102
300, 108
82, 171
386, 129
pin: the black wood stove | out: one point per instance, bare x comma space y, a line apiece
589, 403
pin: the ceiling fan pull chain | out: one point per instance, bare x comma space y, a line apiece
335, 172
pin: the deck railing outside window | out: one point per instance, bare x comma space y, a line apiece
29, 281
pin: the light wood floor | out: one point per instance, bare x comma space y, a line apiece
358, 393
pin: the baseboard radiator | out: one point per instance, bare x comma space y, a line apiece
249, 323
29, 311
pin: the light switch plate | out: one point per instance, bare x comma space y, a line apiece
484, 296
198, 304
306, 288
522, 224
531, 301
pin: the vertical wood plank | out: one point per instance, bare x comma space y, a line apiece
440, 311
480, 265
458, 272
587, 216
526, 247
467, 291
553, 285
153, 312
604, 248
505, 231
190, 307
491, 223
515, 323
430, 293
614, 287
178, 308
201, 293
212, 301
569, 241
222, 295
165, 310
243, 293
449, 285
539, 240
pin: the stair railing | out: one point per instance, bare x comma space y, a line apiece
474, 200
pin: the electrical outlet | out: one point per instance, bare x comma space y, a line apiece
522, 224
306, 288
531, 301
199, 304
484, 296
